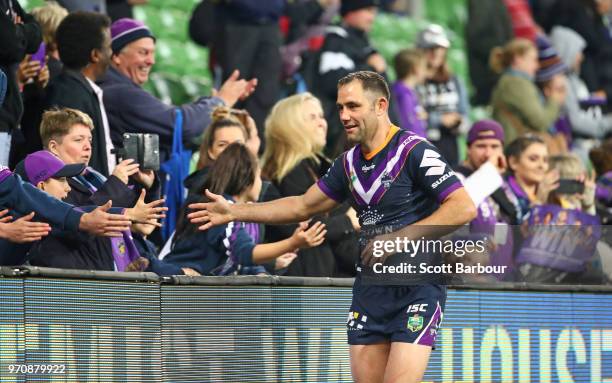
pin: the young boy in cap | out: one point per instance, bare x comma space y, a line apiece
25, 200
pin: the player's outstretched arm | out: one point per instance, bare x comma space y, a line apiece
284, 210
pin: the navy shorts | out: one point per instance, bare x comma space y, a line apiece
409, 314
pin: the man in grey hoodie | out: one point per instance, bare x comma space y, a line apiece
589, 124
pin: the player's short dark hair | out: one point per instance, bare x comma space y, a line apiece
370, 81
77, 35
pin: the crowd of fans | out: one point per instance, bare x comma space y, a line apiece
71, 87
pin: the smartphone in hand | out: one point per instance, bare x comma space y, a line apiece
40, 55
568, 186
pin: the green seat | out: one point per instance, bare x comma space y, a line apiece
28, 5
184, 5
449, 13
172, 24
479, 113
181, 58
170, 57
458, 62
149, 87
166, 24
181, 5
197, 60
169, 88
196, 87
149, 16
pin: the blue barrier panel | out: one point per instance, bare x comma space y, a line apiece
282, 330
95, 331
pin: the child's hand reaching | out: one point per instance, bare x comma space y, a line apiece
304, 237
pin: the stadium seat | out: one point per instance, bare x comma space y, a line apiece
173, 24
181, 5
149, 87
197, 56
169, 88
181, 58
196, 87
458, 63
166, 23
449, 13
28, 5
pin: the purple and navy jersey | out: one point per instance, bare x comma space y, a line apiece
401, 184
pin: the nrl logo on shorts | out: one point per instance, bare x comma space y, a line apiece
415, 323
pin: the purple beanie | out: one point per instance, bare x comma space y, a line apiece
124, 31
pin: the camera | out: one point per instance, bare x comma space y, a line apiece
142, 148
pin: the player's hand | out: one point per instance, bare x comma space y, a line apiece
4, 218
148, 213
125, 169
23, 230
368, 258
284, 261
304, 237
100, 222
213, 213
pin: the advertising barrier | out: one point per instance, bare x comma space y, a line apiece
136, 327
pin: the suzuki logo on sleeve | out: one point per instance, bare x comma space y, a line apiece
431, 160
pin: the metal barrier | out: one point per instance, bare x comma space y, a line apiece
78, 326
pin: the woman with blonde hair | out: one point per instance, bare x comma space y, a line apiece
295, 136
295, 131
516, 101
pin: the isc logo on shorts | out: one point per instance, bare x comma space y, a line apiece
418, 308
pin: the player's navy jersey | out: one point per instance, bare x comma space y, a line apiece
400, 184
